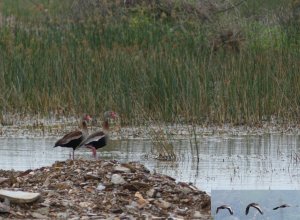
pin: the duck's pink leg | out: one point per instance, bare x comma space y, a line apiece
93, 150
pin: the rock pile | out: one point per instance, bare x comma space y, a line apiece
83, 189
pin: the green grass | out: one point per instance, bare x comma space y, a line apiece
138, 63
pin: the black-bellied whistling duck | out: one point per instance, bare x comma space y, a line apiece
254, 205
225, 207
74, 138
99, 139
281, 206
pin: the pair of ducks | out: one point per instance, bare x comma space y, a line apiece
77, 139
254, 205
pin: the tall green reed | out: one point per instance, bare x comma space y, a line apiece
140, 62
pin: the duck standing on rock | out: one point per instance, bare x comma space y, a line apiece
99, 139
74, 138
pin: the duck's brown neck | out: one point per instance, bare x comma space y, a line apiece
105, 125
84, 127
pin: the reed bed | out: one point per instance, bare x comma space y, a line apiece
52, 62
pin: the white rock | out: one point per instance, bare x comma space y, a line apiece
85, 204
122, 169
19, 196
163, 204
3, 179
100, 187
38, 215
117, 179
198, 215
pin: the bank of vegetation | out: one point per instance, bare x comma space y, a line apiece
188, 61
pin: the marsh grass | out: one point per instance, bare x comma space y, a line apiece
162, 147
51, 62
161, 138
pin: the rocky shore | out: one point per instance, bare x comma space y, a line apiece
99, 189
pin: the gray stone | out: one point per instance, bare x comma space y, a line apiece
85, 204
122, 169
3, 179
151, 193
38, 215
162, 204
4, 208
62, 215
117, 179
198, 215
19, 196
43, 211
100, 187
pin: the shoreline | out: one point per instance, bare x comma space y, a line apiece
53, 127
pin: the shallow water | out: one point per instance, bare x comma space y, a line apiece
229, 162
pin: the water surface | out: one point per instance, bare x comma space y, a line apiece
229, 162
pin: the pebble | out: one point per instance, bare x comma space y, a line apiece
38, 215
100, 187
43, 211
162, 204
85, 204
62, 215
151, 193
2, 179
122, 169
117, 179
198, 215
4, 208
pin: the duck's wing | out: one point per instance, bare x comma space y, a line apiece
93, 138
74, 135
282, 206
230, 210
225, 207
276, 208
247, 209
258, 208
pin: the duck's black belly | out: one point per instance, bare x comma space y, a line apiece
72, 144
98, 144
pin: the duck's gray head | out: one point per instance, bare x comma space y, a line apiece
110, 115
86, 117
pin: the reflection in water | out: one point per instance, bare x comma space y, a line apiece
231, 162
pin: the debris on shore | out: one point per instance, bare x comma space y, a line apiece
101, 189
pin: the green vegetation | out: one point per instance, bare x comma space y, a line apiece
171, 60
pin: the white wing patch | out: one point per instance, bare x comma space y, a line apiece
88, 140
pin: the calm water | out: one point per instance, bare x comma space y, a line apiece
231, 162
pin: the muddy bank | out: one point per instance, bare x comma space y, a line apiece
102, 189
